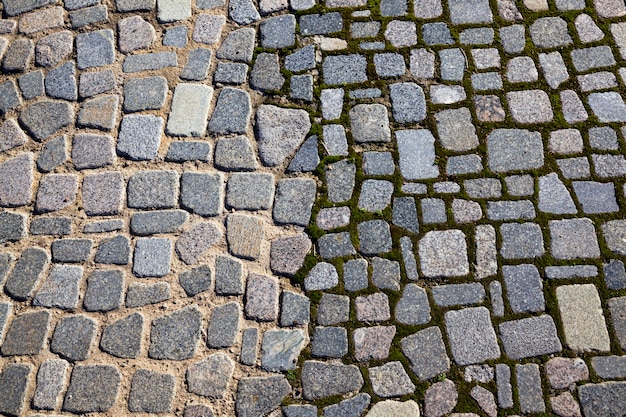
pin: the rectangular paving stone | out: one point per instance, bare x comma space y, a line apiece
88, 16
261, 297
529, 388
26, 273
5, 311
61, 288
471, 335
13, 385
139, 295
202, 193
503, 383
340, 69
533, 336
609, 367
223, 325
458, 294
95, 49
198, 64
581, 315
617, 309
173, 10
93, 83
244, 235
603, 400
26, 334
249, 341
149, 62
51, 379
182, 120
572, 271
594, 57
92, 388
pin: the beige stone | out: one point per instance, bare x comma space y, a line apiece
536, 5
394, 408
245, 235
581, 315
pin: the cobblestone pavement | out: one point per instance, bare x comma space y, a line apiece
284, 207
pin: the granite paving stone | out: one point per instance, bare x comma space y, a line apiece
51, 379
92, 388
122, 338
211, 377
26, 273
60, 288
175, 336
105, 290
26, 334
151, 392
13, 384
201, 193
426, 352
73, 337
115, 250
583, 322
52, 49
471, 335
188, 151
260, 395
193, 243
223, 325
529, 337
440, 398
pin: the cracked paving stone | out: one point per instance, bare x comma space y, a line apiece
192, 244
211, 377
201, 193
175, 336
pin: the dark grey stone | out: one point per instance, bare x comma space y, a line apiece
52, 155
122, 338
437, 34
223, 325
73, 336
596, 197
162, 221
529, 388
386, 274
31, 84
6, 261
594, 57
13, 385
340, 180
301, 87
92, 388
196, 280
12, 226
294, 201
44, 118
201, 193
26, 273
266, 73
232, 112
412, 308
105, 290
344, 69
333, 309
533, 336
88, 16
471, 335
151, 392
71, 250
321, 24
433, 210
615, 275
249, 341
322, 380
145, 93
374, 237
510, 210
300, 411
458, 294
606, 399
235, 154
139, 295
352, 407
521, 241
26, 334
95, 49
426, 353
355, 275
335, 245
188, 151
175, 336
51, 378
278, 32
504, 388
18, 56
238, 45
307, 158
58, 226
405, 214
230, 73
176, 37
61, 82
228, 276
113, 251
609, 367
197, 67
93, 83
295, 309
257, 396
477, 36
524, 288
393, 8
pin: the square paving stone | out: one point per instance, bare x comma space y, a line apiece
262, 297
92, 151
152, 257
370, 123
61, 288
103, 193
530, 106
73, 337
573, 238
280, 349
99, 113
278, 32
329, 342
533, 336
374, 237
443, 254
514, 149
471, 335
295, 309
140, 136
455, 129
26, 334
333, 309
232, 112
56, 191
224, 325
151, 392
372, 342
250, 191
115, 250
201, 193
153, 190
294, 201
550, 32
145, 94
95, 49
521, 241
105, 290
426, 352
229, 274
92, 388
12, 226
348, 69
